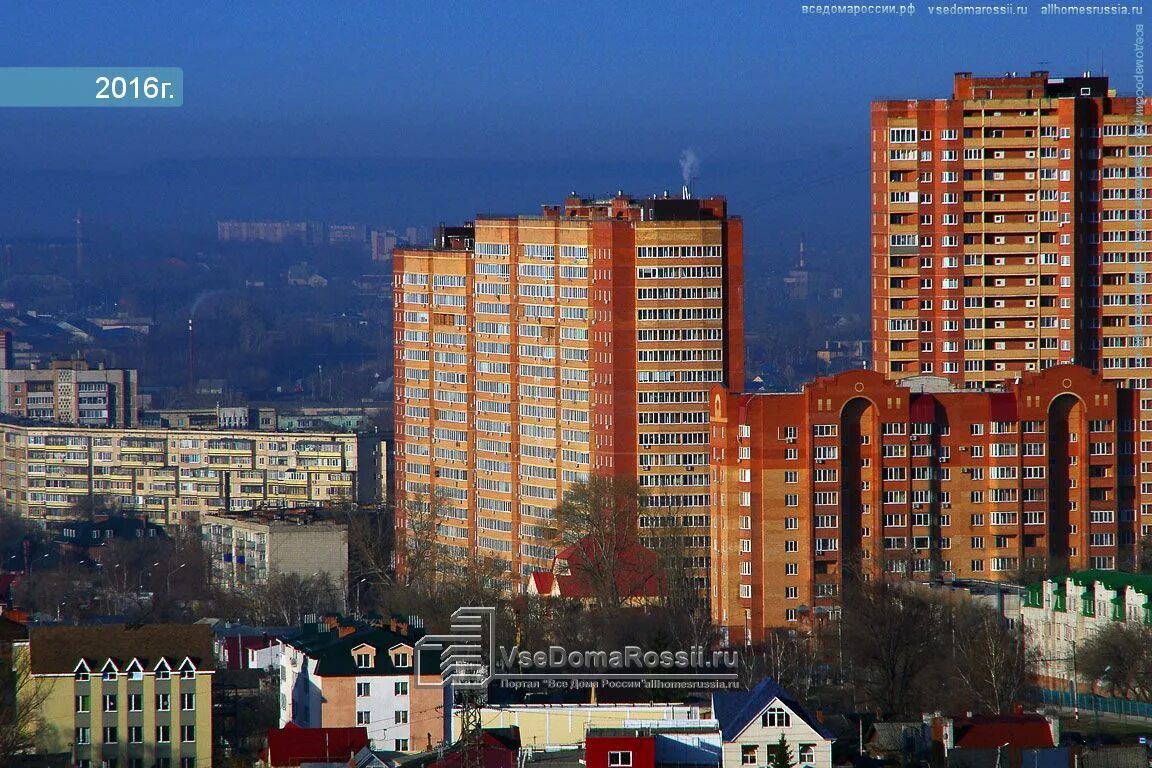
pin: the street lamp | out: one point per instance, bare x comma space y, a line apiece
998, 754
168, 581
358, 594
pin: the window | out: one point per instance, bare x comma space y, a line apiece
135, 734
163, 734
363, 689
110, 734
82, 703
401, 716
619, 759
84, 735
776, 717
806, 754
187, 733
135, 702
401, 688
187, 701
364, 660
187, 762
363, 717
748, 754
400, 659
401, 745
109, 702
163, 702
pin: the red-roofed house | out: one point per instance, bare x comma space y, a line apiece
573, 575
291, 746
992, 731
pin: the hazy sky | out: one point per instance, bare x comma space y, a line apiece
502, 106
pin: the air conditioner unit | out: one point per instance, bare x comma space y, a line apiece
819, 461
913, 439
791, 440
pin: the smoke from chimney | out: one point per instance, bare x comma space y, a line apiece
689, 169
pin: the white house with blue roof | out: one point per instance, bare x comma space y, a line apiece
751, 723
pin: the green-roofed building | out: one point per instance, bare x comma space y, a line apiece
1060, 612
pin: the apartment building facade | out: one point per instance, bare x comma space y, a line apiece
170, 476
1058, 613
247, 548
71, 392
342, 674
1009, 231
918, 479
132, 696
534, 351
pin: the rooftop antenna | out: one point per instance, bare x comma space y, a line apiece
801, 250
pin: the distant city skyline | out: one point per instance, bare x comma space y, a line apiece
441, 110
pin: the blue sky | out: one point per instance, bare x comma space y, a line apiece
775, 102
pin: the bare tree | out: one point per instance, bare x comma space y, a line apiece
892, 637
1119, 655
21, 698
419, 554
598, 519
286, 599
993, 663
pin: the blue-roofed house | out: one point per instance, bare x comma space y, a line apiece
752, 722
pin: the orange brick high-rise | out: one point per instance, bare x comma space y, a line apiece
919, 480
1009, 231
533, 351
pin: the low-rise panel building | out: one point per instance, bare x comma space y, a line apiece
248, 548
129, 695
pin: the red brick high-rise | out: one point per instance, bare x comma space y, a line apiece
533, 351
1009, 231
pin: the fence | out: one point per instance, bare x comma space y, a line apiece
1089, 703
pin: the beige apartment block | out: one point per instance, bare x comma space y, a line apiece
70, 392
171, 476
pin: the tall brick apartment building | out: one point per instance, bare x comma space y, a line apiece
919, 479
533, 351
1010, 229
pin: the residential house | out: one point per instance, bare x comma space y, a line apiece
344, 673
126, 695
752, 723
576, 573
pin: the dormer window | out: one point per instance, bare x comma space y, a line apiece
400, 659
187, 670
82, 672
364, 661
163, 671
109, 672
776, 717
135, 670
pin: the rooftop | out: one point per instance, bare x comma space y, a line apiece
57, 650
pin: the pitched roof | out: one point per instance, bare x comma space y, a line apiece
293, 745
735, 710
336, 658
637, 570
57, 650
991, 731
